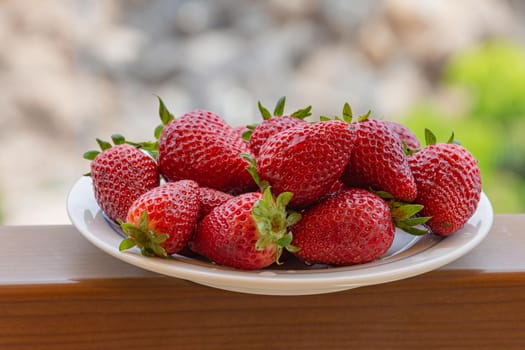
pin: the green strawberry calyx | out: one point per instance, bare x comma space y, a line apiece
117, 139
92, 154
273, 220
406, 150
152, 147
405, 215
271, 216
347, 115
247, 134
431, 139
149, 241
277, 112
165, 117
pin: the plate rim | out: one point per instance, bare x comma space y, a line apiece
281, 282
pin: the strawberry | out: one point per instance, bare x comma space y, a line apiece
448, 183
378, 161
272, 124
405, 135
120, 175
211, 198
200, 146
161, 221
247, 232
351, 227
306, 159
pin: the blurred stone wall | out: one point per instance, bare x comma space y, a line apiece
71, 71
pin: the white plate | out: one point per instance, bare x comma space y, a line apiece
408, 256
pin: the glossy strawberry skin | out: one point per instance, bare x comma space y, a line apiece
351, 227
337, 187
306, 159
120, 175
227, 235
172, 209
404, 134
449, 185
200, 146
378, 161
211, 198
270, 127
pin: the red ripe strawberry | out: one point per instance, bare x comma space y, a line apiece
378, 161
405, 134
211, 198
247, 232
306, 159
162, 220
120, 175
200, 146
273, 124
449, 185
352, 227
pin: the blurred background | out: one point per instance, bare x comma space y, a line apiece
71, 71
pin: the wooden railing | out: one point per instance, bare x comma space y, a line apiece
57, 291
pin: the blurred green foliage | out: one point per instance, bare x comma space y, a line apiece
494, 75
492, 126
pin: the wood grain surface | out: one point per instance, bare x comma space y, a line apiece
465, 305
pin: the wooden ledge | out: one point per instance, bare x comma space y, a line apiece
57, 291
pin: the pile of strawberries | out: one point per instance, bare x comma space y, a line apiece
329, 192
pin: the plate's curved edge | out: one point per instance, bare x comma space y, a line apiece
272, 282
